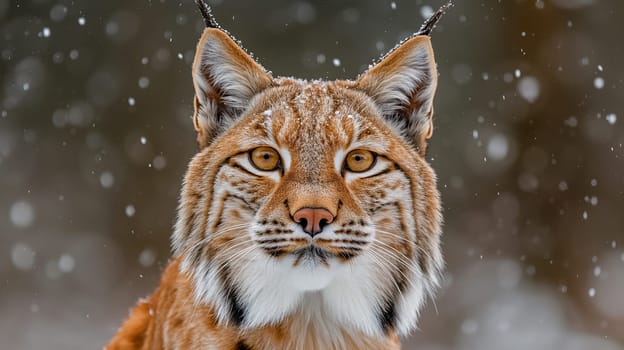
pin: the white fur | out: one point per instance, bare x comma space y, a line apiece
394, 91
339, 159
216, 73
275, 288
237, 88
286, 158
345, 296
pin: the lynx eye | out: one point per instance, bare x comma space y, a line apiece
360, 160
264, 158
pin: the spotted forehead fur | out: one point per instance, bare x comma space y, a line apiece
316, 117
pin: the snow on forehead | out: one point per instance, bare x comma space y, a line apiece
321, 100
314, 97
321, 110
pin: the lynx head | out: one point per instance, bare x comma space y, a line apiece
311, 198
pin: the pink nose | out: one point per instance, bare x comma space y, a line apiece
313, 219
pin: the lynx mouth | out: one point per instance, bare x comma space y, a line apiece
311, 255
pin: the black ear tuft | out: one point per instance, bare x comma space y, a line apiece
431, 22
206, 12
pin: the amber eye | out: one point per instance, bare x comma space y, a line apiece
360, 160
264, 158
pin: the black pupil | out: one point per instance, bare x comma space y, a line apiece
358, 158
266, 156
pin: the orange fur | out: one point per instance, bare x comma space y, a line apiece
189, 326
235, 224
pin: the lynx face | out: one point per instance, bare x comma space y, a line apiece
311, 201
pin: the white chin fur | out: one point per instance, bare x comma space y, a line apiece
310, 275
342, 295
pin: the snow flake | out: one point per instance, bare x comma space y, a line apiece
22, 256
529, 88
66, 263
130, 210
143, 82
498, 147
159, 162
426, 11
597, 271
611, 118
107, 180
147, 257
58, 13
571, 122
22, 214
469, 326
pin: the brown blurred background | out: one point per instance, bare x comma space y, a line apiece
95, 134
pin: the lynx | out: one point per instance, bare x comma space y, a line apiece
309, 218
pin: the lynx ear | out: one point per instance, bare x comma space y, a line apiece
403, 85
225, 79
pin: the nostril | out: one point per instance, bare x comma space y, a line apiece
312, 220
303, 222
323, 223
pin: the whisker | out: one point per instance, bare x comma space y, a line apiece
399, 255
213, 235
393, 234
235, 258
379, 257
401, 258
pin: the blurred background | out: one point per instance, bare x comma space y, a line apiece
96, 132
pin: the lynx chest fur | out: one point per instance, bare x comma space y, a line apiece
309, 219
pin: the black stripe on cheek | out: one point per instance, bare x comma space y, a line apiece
242, 346
385, 171
387, 316
206, 208
237, 310
237, 166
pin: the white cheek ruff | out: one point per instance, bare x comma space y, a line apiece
360, 296
338, 296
